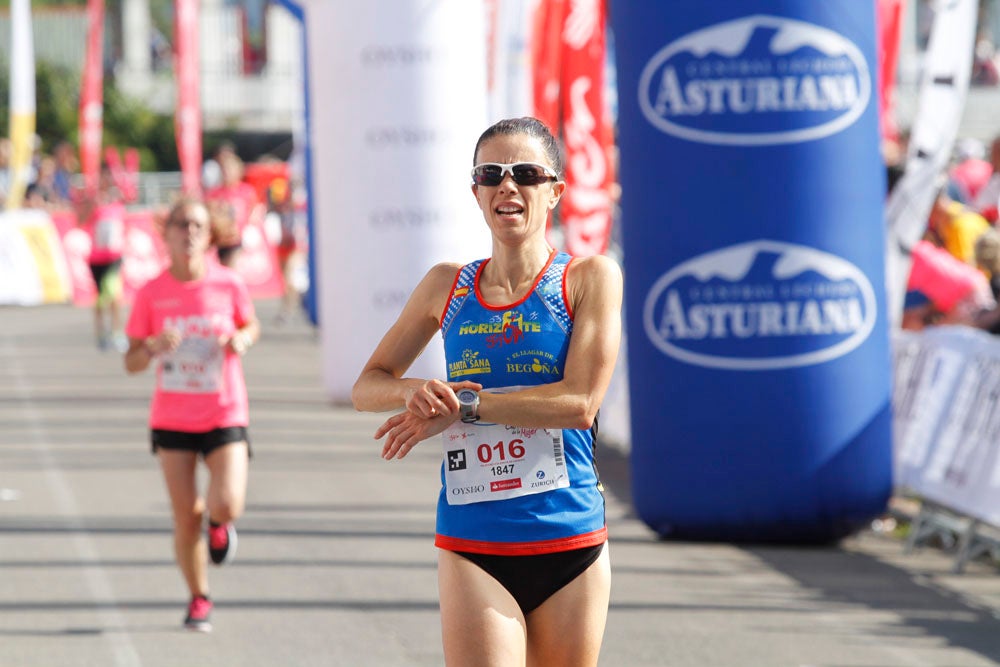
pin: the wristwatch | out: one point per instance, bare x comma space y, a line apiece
468, 405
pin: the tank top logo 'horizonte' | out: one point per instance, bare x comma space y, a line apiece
519, 345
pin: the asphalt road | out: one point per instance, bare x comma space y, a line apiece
336, 563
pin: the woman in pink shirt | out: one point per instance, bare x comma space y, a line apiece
195, 320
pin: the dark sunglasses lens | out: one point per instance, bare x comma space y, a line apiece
529, 174
487, 175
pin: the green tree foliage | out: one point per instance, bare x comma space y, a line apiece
127, 122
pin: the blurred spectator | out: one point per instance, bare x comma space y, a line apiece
918, 311
244, 207
970, 172
6, 151
954, 227
45, 183
66, 168
223, 231
984, 64
988, 198
988, 258
33, 198
211, 170
958, 292
290, 246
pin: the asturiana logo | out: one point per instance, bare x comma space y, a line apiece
757, 80
760, 305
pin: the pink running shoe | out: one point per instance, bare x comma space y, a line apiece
221, 542
198, 612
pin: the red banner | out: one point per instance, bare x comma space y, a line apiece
546, 49
92, 97
187, 118
586, 208
889, 23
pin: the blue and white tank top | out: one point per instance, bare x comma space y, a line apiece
519, 345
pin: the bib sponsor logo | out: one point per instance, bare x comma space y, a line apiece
505, 485
465, 490
760, 305
754, 81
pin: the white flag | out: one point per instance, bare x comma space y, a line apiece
22, 100
943, 88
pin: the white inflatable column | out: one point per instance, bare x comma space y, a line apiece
397, 100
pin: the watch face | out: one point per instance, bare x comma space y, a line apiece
466, 396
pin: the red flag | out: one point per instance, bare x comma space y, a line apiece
889, 22
92, 97
546, 52
586, 210
187, 118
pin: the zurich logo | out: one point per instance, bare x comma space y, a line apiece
754, 81
760, 305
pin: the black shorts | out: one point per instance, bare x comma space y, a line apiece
202, 443
101, 271
532, 580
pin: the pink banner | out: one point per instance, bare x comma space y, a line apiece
187, 119
145, 256
92, 97
586, 208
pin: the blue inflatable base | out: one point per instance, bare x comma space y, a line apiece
812, 533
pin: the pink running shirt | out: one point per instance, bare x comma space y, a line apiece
106, 228
200, 386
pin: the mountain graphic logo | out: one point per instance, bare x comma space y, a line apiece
760, 305
756, 81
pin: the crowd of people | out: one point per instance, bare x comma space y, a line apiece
275, 207
955, 272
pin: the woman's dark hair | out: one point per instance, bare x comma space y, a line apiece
531, 127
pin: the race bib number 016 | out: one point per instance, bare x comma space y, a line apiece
494, 462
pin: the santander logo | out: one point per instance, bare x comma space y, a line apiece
754, 81
760, 305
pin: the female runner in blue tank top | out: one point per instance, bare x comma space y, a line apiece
531, 337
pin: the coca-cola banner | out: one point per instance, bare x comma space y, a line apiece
752, 193
92, 97
187, 117
395, 109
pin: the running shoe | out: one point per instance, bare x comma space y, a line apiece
221, 542
198, 612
